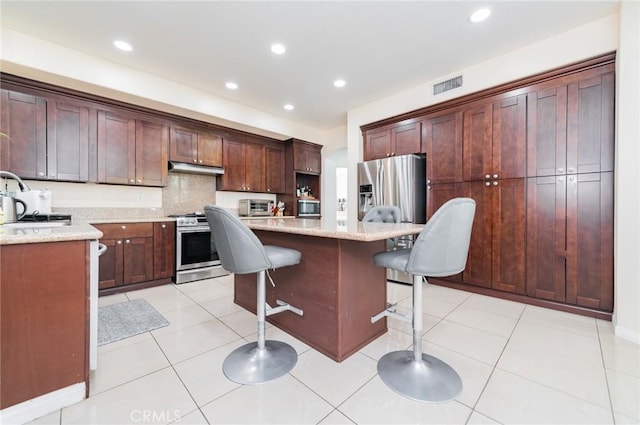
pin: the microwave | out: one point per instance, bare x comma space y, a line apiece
308, 208
254, 207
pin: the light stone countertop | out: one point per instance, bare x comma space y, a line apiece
336, 229
129, 220
47, 232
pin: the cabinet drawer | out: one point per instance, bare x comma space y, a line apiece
125, 230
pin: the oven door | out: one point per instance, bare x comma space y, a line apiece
195, 248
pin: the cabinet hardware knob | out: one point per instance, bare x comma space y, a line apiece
495, 176
428, 187
131, 181
52, 175
428, 181
127, 241
195, 160
164, 226
119, 242
487, 183
487, 176
572, 170
571, 178
200, 161
41, 174
139, 181
495, 183
560, 179
123, 227
560, 170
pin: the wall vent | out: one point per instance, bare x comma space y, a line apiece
450, 84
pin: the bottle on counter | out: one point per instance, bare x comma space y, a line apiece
298, 192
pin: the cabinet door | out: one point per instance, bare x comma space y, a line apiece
313, 159
151, 153
116, 148
275, 170
111, 264
209, 149
163, 250
67, 142
590, 240
24, 121
509, 138
478, 269
254, 167
442, 138
546, 230
477, 143
508, 236
590, 127
183, 145
547, 132
233, 156
377, 144
406, 139
138, 259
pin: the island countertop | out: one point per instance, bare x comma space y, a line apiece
24, 233
336, 229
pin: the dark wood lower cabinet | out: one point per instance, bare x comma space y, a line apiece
44, 309
497, 250
137, 255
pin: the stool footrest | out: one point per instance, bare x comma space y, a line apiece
391, 312
282, 306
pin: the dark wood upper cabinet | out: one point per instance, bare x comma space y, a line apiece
244, 167
68, 142
195, 147
24, 121
442, 141
275, 172
398, 139
495, 140
307, 158
151, 153
590, 125
571, 127
131, 151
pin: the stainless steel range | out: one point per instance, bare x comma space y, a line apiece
196, 254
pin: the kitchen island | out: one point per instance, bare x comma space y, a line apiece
45, 299
336, 283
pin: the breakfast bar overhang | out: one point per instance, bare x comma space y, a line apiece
336, 283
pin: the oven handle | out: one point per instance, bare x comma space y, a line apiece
193, 229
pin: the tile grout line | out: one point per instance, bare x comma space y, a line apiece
606, 375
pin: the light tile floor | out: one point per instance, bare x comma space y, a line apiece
519, 364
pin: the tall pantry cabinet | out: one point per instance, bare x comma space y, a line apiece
537, 156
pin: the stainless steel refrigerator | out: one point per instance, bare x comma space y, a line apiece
399, 181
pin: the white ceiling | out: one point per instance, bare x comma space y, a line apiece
378, 47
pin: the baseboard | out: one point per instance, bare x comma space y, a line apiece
42, 405
627, 334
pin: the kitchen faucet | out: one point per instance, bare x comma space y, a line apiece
22, 185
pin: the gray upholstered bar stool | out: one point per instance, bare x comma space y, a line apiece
383, 214
440, 250
241, 252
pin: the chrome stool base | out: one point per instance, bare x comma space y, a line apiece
250, 365
430, 380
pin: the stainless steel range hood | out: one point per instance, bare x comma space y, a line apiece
180, 167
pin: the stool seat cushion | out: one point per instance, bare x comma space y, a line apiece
282, 257
395, 260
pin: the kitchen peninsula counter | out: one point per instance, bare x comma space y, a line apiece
23, 233
336, 283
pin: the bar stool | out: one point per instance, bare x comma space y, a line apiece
241, 252
383, 214
440, 250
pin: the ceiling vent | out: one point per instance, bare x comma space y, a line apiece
450, 84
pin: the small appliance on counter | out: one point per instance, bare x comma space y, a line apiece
308, 207
38, 201
255, 207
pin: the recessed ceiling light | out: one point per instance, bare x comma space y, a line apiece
123, 45
479, 15
339, 83
278, 48
231, 85
288, 107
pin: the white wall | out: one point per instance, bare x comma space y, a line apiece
627, 195
599, 37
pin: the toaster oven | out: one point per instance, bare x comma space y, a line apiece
254, 207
